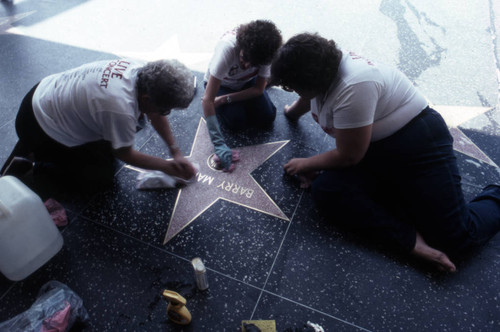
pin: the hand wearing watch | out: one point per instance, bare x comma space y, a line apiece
228, 100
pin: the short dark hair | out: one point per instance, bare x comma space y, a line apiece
306, 62
259, 41
168, 83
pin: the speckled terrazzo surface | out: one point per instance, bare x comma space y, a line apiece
292, 267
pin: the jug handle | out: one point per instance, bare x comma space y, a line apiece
4, 209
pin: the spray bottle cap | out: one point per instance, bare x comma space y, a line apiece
174, 298
198, 265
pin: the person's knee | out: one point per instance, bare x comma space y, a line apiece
234, 119
324, 197
267, 117
263, 111
233, 123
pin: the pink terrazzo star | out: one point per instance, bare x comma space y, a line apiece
211, 184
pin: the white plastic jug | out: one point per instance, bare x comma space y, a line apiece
28, 236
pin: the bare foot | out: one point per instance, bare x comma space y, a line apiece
432, 255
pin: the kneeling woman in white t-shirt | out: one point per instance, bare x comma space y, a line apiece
73, 124
393, 173
235, 82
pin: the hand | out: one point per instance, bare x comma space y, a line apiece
235, 157
225, 155
221, 148
296, 166
219, 101
186, 169
179, 170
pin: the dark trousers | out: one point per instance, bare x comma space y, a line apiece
90, 166
407, 183
255, 112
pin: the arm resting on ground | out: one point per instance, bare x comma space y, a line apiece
298, 108
138, 159
352, 145
208, 105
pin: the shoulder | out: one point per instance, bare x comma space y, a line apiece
225, 45
355, 69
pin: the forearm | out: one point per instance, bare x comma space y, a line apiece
208, 107
333, 159
162, 127
141, 160
246, 94
254, 91
329, 160
221, 149
208, 100
352, 145
298, 108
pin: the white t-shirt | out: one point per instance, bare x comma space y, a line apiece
92, 102
365, 93
225, 64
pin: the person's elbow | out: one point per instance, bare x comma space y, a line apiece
350, 159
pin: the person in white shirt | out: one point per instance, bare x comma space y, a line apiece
235, 83
393, 173
73, 124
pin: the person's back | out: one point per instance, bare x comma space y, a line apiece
364, 93
89, 103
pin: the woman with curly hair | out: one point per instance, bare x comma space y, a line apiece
393, 173
235, 82
72, 124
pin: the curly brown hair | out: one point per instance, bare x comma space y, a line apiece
306, 62
169, 83
259, 41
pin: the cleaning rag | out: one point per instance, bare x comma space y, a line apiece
158, 180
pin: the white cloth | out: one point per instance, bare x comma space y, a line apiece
366, 93
148, 179
92, 102
225, 64
155, 180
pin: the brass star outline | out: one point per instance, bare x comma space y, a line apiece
457, 115
6, 22
211, 185
171, 49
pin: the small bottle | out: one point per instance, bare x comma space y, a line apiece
200, 273
176, 309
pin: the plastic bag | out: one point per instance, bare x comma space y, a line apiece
56, 309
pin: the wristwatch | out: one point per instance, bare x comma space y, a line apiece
228, 99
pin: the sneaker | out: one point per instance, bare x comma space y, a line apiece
18, 167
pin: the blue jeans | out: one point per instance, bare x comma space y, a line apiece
407, 183
255, 112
